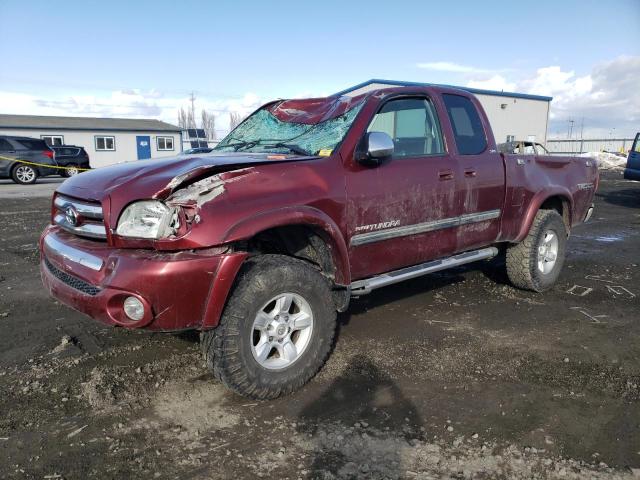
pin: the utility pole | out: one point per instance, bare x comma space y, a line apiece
193, 109
570, 128
193, 101
581, 134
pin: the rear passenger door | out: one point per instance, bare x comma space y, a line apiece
399, 212
483, 177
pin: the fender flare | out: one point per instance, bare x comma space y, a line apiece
534, 205
302, 215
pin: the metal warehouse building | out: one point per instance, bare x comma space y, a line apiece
513, 116
106, 140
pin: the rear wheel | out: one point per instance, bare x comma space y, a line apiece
276, 330
536, 262
70, 171
24, 174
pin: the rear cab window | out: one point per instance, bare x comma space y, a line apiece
467, 127
413, 125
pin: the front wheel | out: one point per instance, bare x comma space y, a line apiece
536, 262
276, 330
24, 174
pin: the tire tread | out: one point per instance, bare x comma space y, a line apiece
220, 346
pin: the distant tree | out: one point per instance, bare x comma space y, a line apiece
234, 119
191, 121
182, 119
209, 124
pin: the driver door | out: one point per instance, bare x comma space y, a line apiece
398, 211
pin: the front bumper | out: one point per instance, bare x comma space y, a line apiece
179, 290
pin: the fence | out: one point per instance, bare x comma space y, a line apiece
590, 145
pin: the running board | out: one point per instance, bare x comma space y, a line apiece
363, 287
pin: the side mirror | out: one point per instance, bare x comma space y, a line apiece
376, 147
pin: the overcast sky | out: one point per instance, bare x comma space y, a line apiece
143, 58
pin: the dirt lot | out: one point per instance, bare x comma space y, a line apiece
456, 375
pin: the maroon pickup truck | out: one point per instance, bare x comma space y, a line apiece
304, 205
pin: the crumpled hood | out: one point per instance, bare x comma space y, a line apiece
158, 178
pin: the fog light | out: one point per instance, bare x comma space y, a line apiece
133, 308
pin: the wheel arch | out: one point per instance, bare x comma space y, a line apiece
557, 198
309, 218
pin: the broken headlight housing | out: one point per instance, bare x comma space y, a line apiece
148, 219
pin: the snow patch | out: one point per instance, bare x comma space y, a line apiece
607, 160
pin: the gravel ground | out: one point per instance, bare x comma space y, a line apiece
455, 375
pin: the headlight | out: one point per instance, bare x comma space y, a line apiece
147, 219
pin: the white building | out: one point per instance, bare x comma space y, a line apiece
513, 116
106, 140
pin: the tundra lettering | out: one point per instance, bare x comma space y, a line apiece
306, 204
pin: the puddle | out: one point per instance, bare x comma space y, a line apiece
609, 238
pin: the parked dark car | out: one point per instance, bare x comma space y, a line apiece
71, 156
632, 172
31, 150
196, 150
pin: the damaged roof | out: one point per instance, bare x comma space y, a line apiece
376, 84
85, 123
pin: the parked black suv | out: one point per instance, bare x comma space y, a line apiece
71, 156
28, 149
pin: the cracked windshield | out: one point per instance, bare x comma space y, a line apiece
263, 132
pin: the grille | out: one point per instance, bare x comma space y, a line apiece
72, 281
79, 217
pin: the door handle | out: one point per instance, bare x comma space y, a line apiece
470, 172
445, 175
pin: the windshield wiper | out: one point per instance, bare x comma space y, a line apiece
292, 147
242, 144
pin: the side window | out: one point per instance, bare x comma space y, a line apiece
466, 123
5, 146
164, 143
31, 144
413, 125
105, 143
528, 149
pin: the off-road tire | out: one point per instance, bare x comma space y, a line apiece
522, 258
17, 177
227, 348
